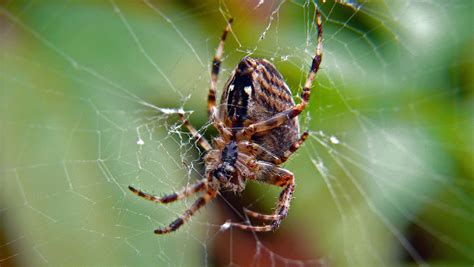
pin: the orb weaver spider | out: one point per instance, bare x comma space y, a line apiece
258, 131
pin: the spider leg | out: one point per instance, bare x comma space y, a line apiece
216, 64
280, 213
316, 61
247, 132
219, 125
197, 187
199, 203
199, 138
283, 205
293, 148
264, 228
262, 216
272, 174
256, 149
289, 114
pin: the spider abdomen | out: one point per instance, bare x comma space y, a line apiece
255, 92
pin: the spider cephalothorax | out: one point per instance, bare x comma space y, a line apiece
258, 131
221, 167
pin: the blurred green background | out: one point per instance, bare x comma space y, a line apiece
86, 90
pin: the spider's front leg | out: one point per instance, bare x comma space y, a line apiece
211, 98
216, 66
272, 174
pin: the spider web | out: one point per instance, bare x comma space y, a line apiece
89, 96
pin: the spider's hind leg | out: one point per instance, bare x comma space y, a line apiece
272, 174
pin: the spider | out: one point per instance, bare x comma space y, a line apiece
258, 131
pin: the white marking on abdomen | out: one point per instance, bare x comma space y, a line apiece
248, 90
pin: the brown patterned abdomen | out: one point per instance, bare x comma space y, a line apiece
255, 92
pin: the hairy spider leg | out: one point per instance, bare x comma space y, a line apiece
211, 99
199, 203
247, 132
256, 149
279, 177
187, 191
261, 216
280, 211
216, 65
196, 135
293, 148
220, 126
285, 196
